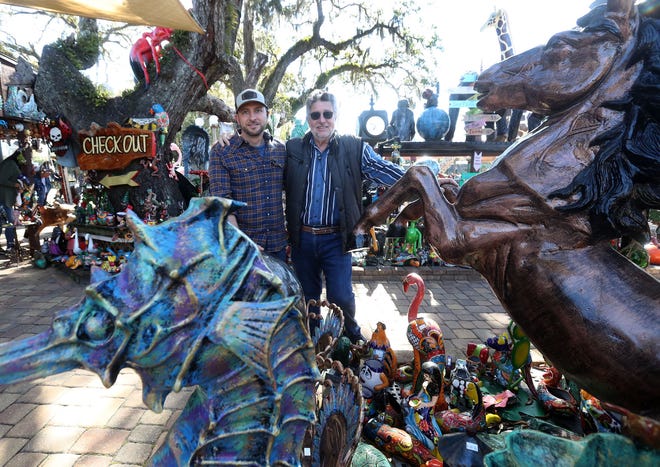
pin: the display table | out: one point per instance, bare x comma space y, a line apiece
105, 233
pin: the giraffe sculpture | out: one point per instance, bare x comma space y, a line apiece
500, 21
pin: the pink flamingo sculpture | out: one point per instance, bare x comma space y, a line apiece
425, 336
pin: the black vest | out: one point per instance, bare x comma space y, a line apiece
345, 165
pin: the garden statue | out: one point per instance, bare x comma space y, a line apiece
402, 124
500, 21
433, 123
537, 225
398, 443
147, 49
413, 238
379, 348
425, 337
191, 322
470, 421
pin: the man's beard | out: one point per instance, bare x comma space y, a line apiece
248, 132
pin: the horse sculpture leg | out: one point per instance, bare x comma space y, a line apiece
421, 188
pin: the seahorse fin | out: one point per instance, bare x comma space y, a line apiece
247, 329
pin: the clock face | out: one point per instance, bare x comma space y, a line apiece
375, 125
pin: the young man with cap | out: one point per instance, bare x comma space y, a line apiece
250, 168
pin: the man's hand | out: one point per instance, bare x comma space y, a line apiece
223, 141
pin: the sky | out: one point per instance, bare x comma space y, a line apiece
465, 47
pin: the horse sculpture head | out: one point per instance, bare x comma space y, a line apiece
601, 79
196, 304
561, 74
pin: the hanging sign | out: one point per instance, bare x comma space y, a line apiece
481, 118
123, 179
462, 90
114, 147
479, 131
470, 104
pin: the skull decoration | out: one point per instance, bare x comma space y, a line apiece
58, 133
55, 135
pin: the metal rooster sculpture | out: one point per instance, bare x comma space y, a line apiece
537, 225
195, 305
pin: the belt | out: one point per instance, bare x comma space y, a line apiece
320, 230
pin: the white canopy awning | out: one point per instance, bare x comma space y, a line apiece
166, 13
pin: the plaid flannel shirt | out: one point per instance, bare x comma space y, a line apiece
239, 171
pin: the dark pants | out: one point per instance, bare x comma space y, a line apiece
281, 255
8, 223
322, 255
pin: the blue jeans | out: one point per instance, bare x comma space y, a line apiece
10, 230
322, 255
281, 255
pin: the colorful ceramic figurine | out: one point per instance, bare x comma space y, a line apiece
372, 378
511, 364
420, 413
554, 398
398, 443
460, 378
471, 421
425, 336
379, 347
413, 238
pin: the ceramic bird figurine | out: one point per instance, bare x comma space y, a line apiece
380, 348
162, 119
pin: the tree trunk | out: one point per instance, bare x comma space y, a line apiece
61, 90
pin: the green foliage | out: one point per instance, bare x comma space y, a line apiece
96, 96
364, 45
80, 51
654, 216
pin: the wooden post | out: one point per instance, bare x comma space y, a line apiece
66, 189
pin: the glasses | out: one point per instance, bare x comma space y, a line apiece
327, 114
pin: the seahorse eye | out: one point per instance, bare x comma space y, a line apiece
98, 325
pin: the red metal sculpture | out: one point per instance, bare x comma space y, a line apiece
537, 225
148, 48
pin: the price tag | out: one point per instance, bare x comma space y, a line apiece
471, 446
476, 161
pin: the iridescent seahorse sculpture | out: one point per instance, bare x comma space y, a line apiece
195, 305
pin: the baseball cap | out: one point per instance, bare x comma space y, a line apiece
250, 95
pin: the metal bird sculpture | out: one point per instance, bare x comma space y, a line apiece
196, 304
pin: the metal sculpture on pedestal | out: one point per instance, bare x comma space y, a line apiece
196, 304
538, 224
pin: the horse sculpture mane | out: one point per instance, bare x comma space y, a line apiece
622, 181
195, 305
537, 224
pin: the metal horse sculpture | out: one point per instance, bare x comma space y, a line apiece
195, 305
537, 225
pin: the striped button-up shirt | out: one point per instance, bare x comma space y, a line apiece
321, 208
253, 175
